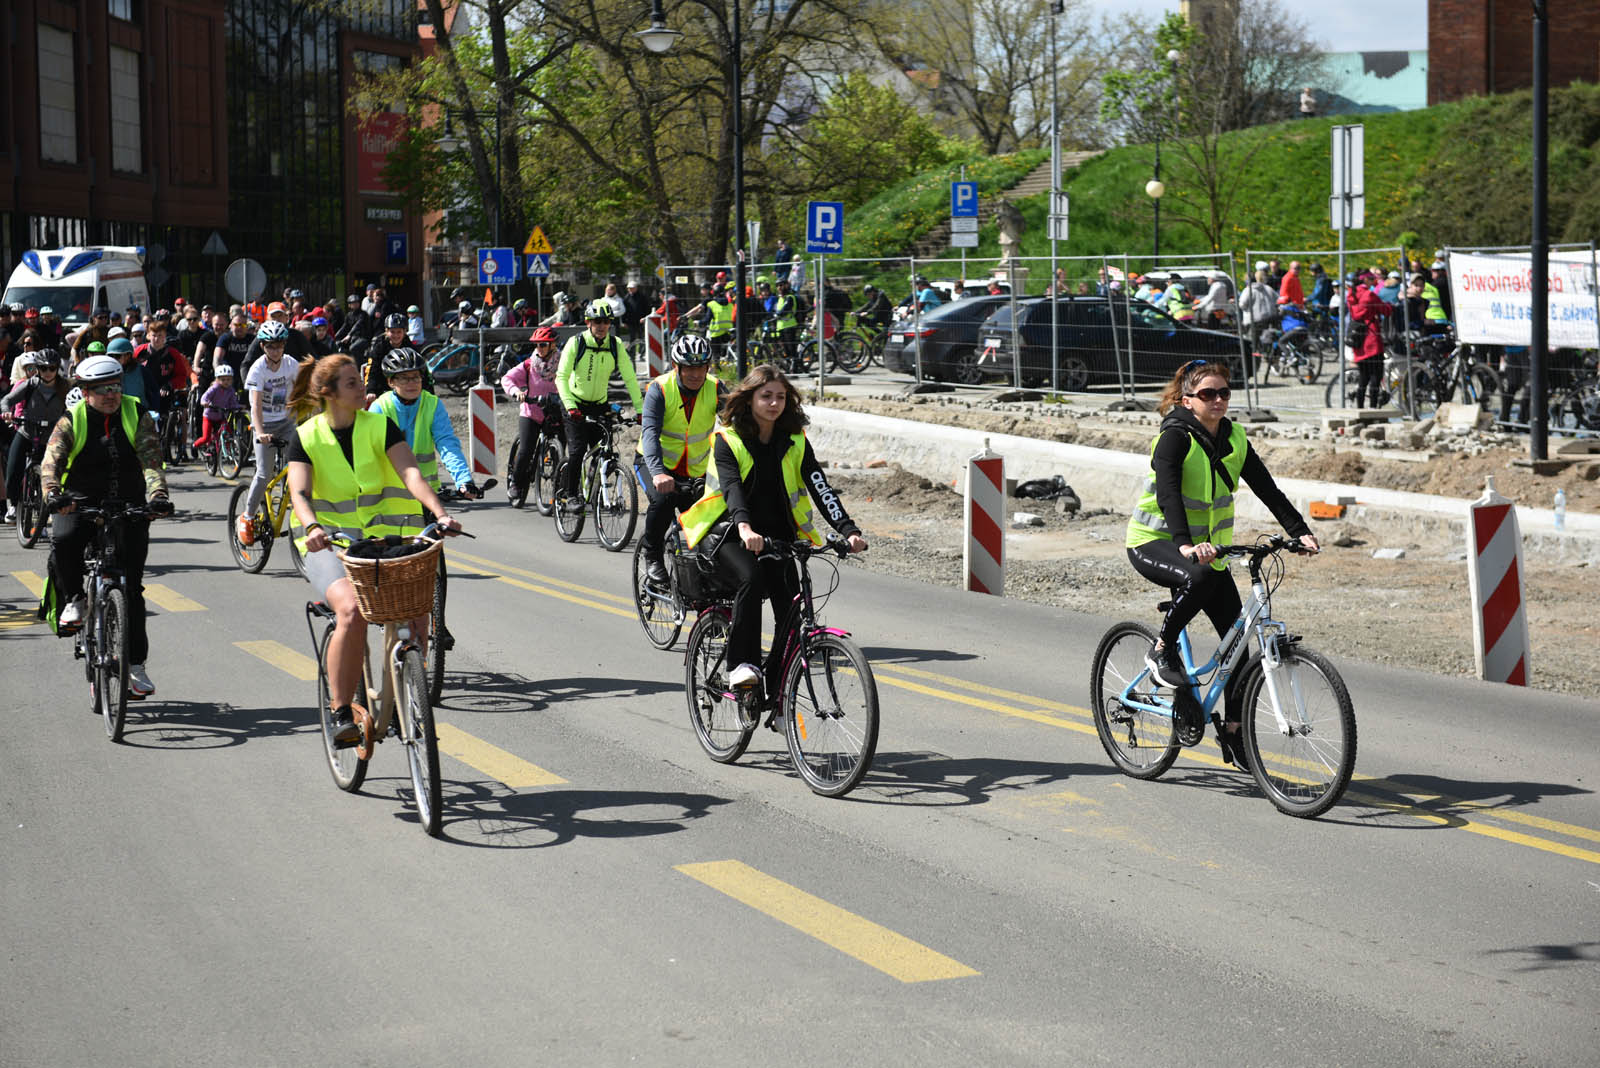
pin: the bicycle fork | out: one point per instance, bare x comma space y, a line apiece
1272, 637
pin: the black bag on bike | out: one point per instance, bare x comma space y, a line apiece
698, 578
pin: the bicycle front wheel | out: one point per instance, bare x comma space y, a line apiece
422, 744
831, 714
1142, 744
253, 557
1305, 768
30, 510
546, 465
855, 355
1342, 386
436, 643
615, 502
349, 770
111, 651
232, 445
713, 711
658, 611
569, 523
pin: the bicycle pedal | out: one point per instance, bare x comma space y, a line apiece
368, 741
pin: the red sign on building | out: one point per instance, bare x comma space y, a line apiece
377, 136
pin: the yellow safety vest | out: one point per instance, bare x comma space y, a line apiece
1208, 506
691, 434
1180, 307
366, 500
1435, 312
783, 310
721, 319
80, 430
711, 506
421, 432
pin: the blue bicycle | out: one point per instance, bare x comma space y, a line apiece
1297, 729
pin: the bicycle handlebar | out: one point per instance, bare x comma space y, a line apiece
777, 549
1272, 544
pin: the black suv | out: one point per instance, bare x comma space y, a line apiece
949, 340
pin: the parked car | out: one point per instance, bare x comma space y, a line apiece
948, 342
1095, 338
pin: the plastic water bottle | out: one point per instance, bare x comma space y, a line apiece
1561, 509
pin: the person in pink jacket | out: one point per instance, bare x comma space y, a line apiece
533, 382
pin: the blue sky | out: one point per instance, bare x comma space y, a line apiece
1401, 25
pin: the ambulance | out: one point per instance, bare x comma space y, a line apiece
75, 281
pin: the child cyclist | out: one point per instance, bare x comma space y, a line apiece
219, 400
424, 420
533, 382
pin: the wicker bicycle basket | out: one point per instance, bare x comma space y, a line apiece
394, 589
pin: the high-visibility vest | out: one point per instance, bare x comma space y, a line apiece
1435, 311
1180, 306
421, 437
1208, 506
681, 433
721, 318
711, 506
364, 500
80, 430
783, 310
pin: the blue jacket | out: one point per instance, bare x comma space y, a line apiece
444, 436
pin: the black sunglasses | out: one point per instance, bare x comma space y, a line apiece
1209, 395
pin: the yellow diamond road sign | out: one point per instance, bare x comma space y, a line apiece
537, 242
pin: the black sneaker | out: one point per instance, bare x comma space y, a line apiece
655, 575
345, 731
1163, 664
1232, 744
572, 505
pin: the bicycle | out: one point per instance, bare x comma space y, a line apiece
1402, 384
607, 488
443, 642
662, 612
548, 449
403, 687
175, 427
31, 510
234, 445
1298, 727
860, 345
827, 699
1290, 351
101, 641
273, 519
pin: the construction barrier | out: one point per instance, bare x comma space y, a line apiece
655, 344
984, 554
480, 425
1494, 574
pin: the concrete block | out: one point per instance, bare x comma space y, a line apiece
1026, 519
1579, 447
1389, 554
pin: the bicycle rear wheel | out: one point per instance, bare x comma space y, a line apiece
111, 651
1342, 386
546, 464
1480, 384
422, 744
1305, 771
713, 711
855, 354
831, 714
253, 557
231, 448
614, 499
348, 769
1142, 744
30, 509
658, 611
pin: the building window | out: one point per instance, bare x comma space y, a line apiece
58, 97
127, 153
121, 9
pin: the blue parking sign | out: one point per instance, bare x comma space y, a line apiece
963, 200
395, 248
497, 266
825, 226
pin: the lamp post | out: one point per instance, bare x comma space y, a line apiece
449, 142
1155, 188
658, 38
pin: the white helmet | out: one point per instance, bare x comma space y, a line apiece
74, 396
98, 369
272, 330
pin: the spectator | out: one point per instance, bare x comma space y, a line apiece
1275, 274
416, 330
1290, 294
1367, 308
1441, 282
927, 297
636, 305
1308, 103
1321, 287
994, 288
782, 257
618, 307
1257, 311
958, 289
1389, 292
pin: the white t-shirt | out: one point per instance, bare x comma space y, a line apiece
274, 386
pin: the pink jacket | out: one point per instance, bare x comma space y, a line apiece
532, 378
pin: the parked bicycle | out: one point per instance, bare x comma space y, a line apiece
1289, 352
1298, 727
273, 520
1402, 384
827, 700
607, 488
101, 642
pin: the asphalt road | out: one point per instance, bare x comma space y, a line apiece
995, 893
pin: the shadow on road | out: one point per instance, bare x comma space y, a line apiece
1553, 955
480, 691
489, 816
156, 723
886, 654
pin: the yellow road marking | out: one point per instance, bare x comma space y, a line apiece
171, 599
893, 954
31, 579
548, 580
282, 657
547, 591
17, 618
493, 761
1446, 820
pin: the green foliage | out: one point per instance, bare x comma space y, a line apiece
880, 141
888, 224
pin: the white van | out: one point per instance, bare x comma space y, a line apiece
74, 281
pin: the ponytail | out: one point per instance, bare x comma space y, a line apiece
315, 379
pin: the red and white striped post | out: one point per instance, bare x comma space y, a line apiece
655, 344
983, 557
1494, 574
480, 425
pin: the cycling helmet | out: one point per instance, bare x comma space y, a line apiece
47, 310
599, 310
691, 350
25, 361
272, 330
413, 310
74, 395
294, 294
563, 298
544, 333
225, 371
97, 369
118, 345
518, 304
95, 348
394, 320
399, 361
464, 307
353, 298
47, 358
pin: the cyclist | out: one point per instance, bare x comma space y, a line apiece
416, 329
356, 331
97, 329
295, 342
587, 365
676, 423
875, 310
350, 472
785, 317
104, 448
426, 424
167, 369
533, 382
1185, 514
394, 337
716, 310
39, 402
267, 385
218, 400
763, 477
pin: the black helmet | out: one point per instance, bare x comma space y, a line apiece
399, 361
394, 320
47, 358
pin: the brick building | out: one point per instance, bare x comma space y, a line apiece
1479, 47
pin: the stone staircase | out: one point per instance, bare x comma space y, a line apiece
936, 242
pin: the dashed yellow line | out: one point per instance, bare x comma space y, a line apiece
32, 580
893, 954
18, 618
171, 599
546, 590
493, 761
282, 657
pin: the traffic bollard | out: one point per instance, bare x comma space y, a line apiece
984, 554
1494, 575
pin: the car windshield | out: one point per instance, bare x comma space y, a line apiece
71, 303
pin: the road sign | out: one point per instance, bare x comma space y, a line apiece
963, 200
245, 279
1058, 227
394, 248
963, 224
538, 264
1348, 203
824, 226
964, 240
537, 242
214, 246
496, 266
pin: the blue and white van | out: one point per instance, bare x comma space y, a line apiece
74, 281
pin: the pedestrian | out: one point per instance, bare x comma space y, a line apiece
783, 256
1290, 293
1308, 103
1367, 314
1257, 311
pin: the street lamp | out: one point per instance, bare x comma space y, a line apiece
449, 142
659, 38
1155, 188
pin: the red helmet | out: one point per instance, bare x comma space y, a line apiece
543, 333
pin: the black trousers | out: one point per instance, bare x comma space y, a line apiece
581, 433
71, 535
1370, 371
759, 580
658, 515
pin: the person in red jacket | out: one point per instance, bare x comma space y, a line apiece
1290, 293
1371, 310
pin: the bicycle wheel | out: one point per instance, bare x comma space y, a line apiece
546, 465
512, 458
253, 557
855, 354
614, 499
831, 714
1480, 384
1342, 386
111, 649
1422, 393
213, 455
1142, 744
297, 557
436, 644
349, 770
30, 510
1307, 362
658, 611
712, 709
422, 744
569, 524
1305, 771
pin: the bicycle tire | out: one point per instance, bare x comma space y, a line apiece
1332, 393
1480, 384
112, 661
1119, 660
296, 557
349, 770
714, 715
421, 742
250, 558
30, 510
1305, 773
213, 455
546, 467
830, 703
230, 452
570, 524
659, 615
511, 475
855, 354
614, 500
436, 649
1422, 395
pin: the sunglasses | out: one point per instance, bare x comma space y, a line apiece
106, 390
1210, 395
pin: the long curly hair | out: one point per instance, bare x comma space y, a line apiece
736, 412
1187, 378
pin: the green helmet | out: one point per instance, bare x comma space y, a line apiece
600, 310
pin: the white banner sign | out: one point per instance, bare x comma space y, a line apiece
1494, 300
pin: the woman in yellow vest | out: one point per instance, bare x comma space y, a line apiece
350, 472
763, 477
1186, 510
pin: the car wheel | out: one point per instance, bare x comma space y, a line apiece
968, 370
1073, 376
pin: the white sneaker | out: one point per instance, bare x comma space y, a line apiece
139, 684
11, 513
744, 675
72, 615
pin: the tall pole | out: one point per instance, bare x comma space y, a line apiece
739, 324
1055, 194
1156, 254
1539, 349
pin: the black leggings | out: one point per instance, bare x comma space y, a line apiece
1195, 587
1370, 371
660, 513
770, 580
70, 535
581, 433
